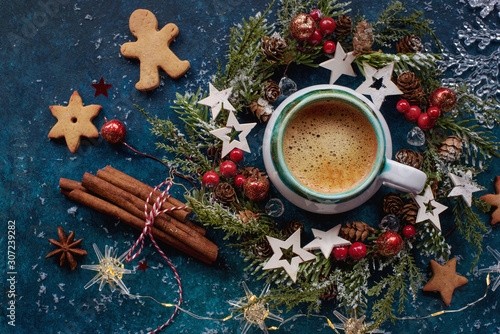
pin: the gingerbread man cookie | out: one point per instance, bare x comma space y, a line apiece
152, 49
74, 121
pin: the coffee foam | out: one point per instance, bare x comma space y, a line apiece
330, 147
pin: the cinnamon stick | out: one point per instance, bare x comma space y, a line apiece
142, 191
68, 185
135, 206
104, 207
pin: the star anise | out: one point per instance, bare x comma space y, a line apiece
67, 248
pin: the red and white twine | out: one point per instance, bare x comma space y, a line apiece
150, 218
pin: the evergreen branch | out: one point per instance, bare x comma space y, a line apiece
352, 286
431, 242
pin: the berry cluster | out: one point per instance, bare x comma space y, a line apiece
317, 28
356, 251
413, 113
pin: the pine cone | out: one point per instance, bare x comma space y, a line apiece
410, 158
409, 214
411, 87
249, 171
292, 226
263, 249
331, 293
451, 148
271, 91
261, 109
344, 26
224, 193
356, 231
273, 48
246, 215
392, 203
362, 40
409, 44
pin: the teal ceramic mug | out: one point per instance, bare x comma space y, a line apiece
358, 161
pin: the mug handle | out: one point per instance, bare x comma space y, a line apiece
402, 177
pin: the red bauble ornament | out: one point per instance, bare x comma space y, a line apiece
315, 38
327, 25
302, 27
413, 113
210, 179
316, 14
433, 113
357, 251
425, 122
409, 231
236, 155
340, 253
256, 187
389, 243
329, 47
113, 131
239, 180
443, 98
403, 106
228, 169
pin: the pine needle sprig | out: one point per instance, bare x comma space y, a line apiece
470, 226
352, 286
431, 242
392, 25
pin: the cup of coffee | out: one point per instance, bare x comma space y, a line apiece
327, 150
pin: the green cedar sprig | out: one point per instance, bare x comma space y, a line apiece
394, 23
431, 242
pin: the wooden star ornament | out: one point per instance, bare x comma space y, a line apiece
74, 121
445, 279
494, 200
428, 208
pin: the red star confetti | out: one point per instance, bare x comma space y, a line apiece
101, 88
143, 266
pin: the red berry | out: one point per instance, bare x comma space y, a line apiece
315, 38
228, 169
413, 113
329, 47
357, 251
236, 155
340, 253
239, 180
327, 25
409, 231
210, 179
402, 106
316, 14
113, 131
433, 113
425, 123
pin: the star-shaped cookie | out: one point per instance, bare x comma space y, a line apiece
494, 200
74, 121
445, 279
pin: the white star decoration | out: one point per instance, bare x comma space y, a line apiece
228, 144
378, 84
494, 268
431, 214
326, 241
217, 100
339, 64
291, 267
463, 187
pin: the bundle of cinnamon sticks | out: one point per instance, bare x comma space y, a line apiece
117, 194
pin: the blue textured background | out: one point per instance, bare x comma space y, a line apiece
46, 52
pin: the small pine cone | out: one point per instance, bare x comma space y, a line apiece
356, 231
409, 44
409, 214
362, 39
330, 293
411, 87
249, 171
246, 215
271, 91
292, 226
410, 158
451, 148
392, 204
273, 48
344, 26
263, 249
224, 193
261, 109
